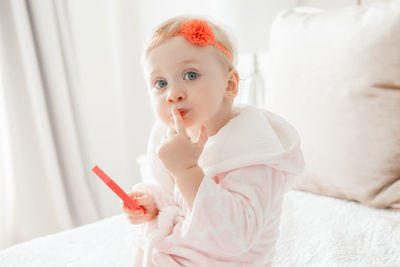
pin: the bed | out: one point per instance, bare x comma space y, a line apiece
315, 230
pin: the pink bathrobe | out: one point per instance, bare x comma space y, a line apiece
249, 165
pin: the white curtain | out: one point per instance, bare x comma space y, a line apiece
71, 96
43, 180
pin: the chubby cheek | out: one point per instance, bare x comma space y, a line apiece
163, 113
208, 103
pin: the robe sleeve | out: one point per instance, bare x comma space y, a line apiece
229, 212
161, 196
163, 200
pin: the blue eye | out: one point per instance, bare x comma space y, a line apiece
160, 84
191, 75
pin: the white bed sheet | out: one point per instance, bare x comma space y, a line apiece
315, 231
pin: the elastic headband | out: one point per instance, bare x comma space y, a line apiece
199, 32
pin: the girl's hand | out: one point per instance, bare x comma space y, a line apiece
147, 202
176, 151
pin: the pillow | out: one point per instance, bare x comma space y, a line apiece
335, 75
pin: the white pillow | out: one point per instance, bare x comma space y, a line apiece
335, 75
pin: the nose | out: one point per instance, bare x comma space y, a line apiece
175, 95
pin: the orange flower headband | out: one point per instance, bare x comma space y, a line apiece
199, 32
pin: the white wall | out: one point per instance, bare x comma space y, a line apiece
329, 4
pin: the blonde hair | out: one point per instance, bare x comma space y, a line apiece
168, 28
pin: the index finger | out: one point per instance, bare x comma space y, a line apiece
179, 126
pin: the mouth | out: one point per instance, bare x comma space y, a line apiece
183, 112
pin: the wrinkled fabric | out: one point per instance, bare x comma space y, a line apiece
248, 165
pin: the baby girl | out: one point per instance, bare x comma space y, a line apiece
219, 171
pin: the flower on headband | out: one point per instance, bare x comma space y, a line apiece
197, 31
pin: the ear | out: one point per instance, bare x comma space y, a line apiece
233, 84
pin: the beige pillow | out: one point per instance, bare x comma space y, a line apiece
335, 75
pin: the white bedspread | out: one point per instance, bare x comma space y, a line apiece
315, 231
324, 231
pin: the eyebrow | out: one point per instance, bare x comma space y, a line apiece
188, 61
184, 62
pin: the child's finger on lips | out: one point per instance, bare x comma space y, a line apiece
178, 122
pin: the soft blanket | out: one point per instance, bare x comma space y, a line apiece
315, 230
